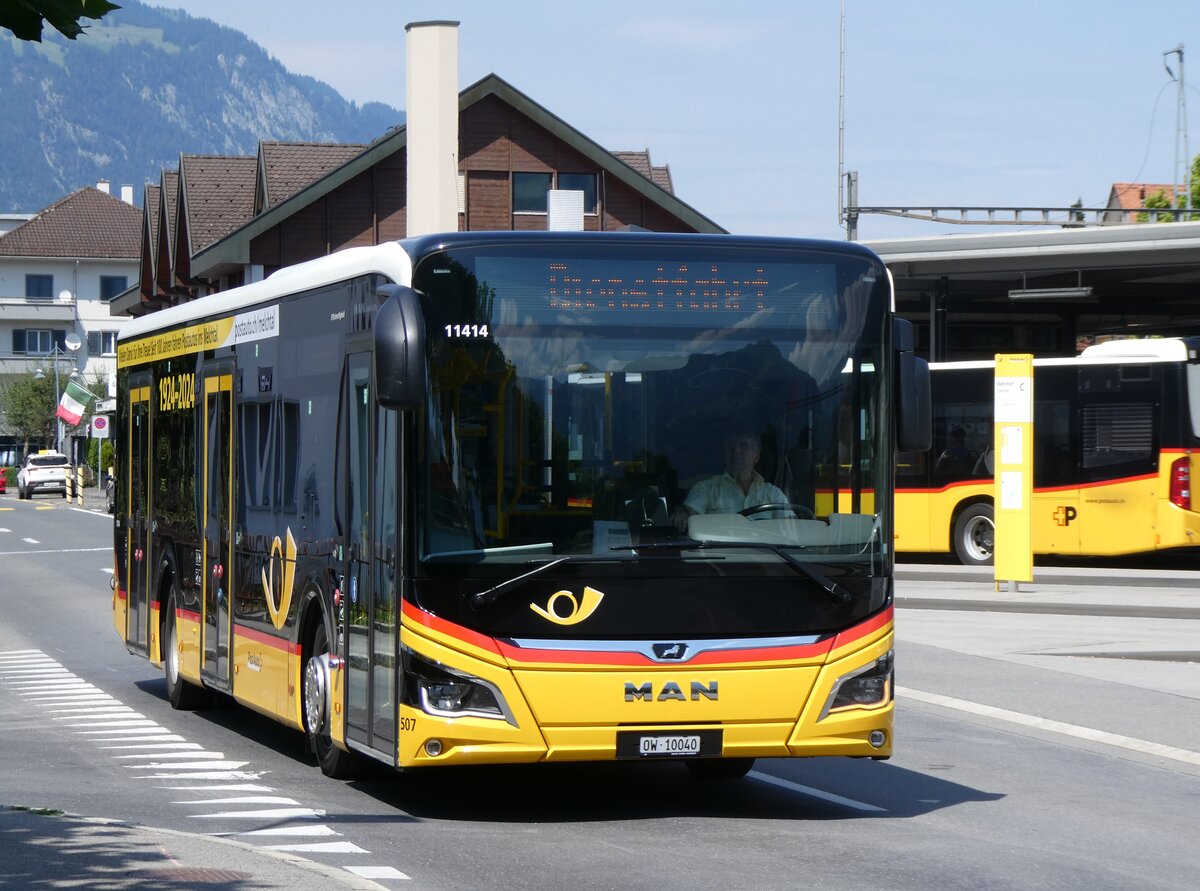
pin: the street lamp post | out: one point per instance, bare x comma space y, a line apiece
73, 344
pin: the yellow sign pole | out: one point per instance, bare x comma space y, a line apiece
1013, 496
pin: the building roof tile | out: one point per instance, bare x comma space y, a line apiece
289, 167
219, 194
640, 161
88, 224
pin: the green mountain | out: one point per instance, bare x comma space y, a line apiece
142, 85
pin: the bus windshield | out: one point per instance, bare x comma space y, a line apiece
596, 405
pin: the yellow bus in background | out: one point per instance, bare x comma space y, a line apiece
1116, 451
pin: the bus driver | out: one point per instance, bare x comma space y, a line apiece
740, 486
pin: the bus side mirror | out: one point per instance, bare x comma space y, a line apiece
399, 349
914, 412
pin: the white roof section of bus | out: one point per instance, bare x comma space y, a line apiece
1148, 349
1168, 349
388, 259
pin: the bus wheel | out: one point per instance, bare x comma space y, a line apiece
182, 694
975, 535
334, 762
720, 768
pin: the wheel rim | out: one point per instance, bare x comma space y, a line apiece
172, 654
314, 696
979, 538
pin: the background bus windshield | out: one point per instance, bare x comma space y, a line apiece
576, 401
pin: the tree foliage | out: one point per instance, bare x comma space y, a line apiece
24, 18
28, 405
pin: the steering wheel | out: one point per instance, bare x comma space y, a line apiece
798, 509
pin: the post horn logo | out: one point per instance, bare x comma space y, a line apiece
578, 610
279, 598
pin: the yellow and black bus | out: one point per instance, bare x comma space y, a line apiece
415, 500
1116, 449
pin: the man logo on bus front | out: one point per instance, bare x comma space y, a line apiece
665, 651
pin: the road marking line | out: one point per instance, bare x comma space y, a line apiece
142, 725
1142, 746
310, 830
194, 765
212, 756
377, 872
67, 713
243, 799
213, 775
321, 848
30, 541
276, 813
227, 787
52, 551
815, 793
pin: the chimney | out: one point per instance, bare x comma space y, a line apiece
103, 186
127, 194
432, 125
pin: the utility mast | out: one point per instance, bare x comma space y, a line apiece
1181, 135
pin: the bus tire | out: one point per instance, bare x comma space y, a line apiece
182, 694
720, 768
975, 535
334, 762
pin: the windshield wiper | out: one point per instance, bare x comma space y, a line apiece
829, 586
491, 595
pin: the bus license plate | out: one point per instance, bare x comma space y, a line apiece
667, 744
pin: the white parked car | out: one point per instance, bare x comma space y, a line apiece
43, 472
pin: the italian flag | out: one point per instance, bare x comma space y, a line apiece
74, 403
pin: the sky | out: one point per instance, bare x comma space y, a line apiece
946, 102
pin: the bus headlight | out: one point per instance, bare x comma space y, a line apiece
868, 686
441, 691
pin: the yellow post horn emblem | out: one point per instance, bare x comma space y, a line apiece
278, 607
579, 611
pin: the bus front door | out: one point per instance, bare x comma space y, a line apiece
218, 525
137, 541
371, 614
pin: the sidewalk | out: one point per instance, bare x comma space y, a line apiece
1103, 591
49, 850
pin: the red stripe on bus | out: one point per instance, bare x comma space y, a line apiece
785, 653
1141, 478
270, 640
789, 653
432, 622
873, 624
190, 615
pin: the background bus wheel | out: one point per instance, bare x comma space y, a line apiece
334, 762
182, 694
975, 535
720, 768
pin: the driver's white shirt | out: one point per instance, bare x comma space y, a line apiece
721, 494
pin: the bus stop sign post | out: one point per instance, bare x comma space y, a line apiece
1013, 451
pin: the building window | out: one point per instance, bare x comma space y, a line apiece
112, 285
580, 182
39, 287
33, 341
529, 192
102, 343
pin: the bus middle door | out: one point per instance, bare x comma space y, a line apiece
136, 473
218, 579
